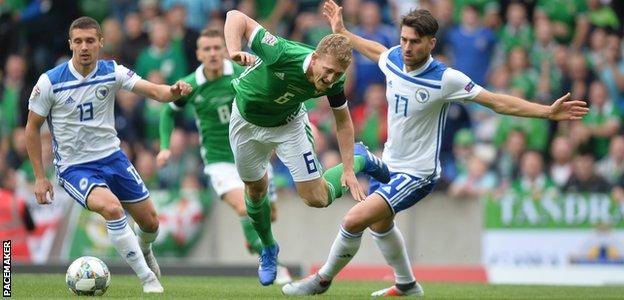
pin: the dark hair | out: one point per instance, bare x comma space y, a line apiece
86, 23
211, 32
422, 21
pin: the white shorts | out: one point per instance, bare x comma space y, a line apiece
293, 143
224, 178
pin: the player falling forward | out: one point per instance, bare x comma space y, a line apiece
268, 114
419, 89
77, 99
211, 100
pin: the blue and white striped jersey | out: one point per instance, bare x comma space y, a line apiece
417, 105
80, 110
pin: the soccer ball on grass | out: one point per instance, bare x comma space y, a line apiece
88, 275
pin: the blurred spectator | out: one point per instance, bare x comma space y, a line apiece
523, 77
533, 182
517, 32
113, 39
151, 114
149, 11
471, 46
9, 33
268, 12
603, 121
135, 40
601, 15
181, 162
443, 12
18, 156
121, 8
617, 192
456, 163
485, 120
350, 12
479, 5
584, 179
569, 18
476, 182
129, 117
146, 167
457, 120
365, 71
561, 152
310, 27
611, 72
14, 94
369, 119
162, 55
96, 9
508, 161
198, 12
577, 77
611, 167
182, 36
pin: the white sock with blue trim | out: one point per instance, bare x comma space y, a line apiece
392, 246
127, 245
343, 249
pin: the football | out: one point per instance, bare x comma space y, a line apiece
88, 275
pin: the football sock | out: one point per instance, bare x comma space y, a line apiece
343, 249
253, 240
332, 178
127, 245
392, 247
145, 238
260, 215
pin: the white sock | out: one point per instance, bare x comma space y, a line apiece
392, 247
343, 249
126, 244
145, 238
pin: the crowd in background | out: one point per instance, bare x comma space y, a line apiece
535, 49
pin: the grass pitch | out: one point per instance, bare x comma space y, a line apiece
52, 286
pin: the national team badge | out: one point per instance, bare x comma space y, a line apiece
83, 183
422, 95
102, 92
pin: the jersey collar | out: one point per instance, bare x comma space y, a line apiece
421, 69
306, 62
228, 69
77, 74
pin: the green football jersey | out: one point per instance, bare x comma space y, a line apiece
272, 91
212, 102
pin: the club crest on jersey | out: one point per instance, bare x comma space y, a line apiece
422, 95
269, 39
469, 86
101, 92
83, 183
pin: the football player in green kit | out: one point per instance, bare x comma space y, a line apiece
268, 115
211, 100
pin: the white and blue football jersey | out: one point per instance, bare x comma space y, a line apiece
417, 106
80, 110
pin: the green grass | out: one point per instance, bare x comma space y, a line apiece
52, 286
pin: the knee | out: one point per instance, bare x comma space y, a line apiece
240, 209
313, 199
112, 211
353, 224
150, 224
256, 190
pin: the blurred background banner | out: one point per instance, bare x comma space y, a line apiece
553, 230
182, 217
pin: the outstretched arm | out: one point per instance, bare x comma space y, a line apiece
368, 48
161, 92
237, 26
560, 110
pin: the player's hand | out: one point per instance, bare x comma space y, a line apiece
243, 58
180, 88
333, 14
42, 187
349, 180
563, 109
163, 157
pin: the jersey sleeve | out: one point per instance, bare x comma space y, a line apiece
41, 98
266, 46
126, 77
383, 58
459, 86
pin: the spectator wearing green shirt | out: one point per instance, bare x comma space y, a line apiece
601, 15
533, 183
517, 31
13, 95
602, 122
569, 19
162, 55
611, 167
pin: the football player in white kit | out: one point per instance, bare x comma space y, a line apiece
77, 99
419, 90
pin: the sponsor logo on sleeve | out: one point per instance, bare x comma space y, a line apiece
269, 39
469, 86
35, 93
130, 73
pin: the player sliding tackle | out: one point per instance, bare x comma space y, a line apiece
77, 98
268, 115
419, 90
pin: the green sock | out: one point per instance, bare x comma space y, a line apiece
332, 177
260, 215
253, 240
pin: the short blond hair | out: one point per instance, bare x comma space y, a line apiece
337, 46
